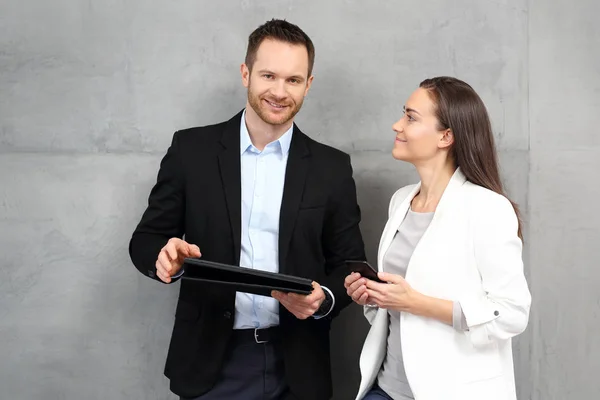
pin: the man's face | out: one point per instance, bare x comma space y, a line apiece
278, 81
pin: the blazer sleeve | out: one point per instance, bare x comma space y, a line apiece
342, 239
164, 216
501, 309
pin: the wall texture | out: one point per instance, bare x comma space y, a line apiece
91, 92
564, 186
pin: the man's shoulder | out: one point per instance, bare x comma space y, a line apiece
206, 134
326, 151
200, 133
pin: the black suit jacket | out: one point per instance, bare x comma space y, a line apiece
198, 194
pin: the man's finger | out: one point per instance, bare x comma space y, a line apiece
171, 250
160, 269
164, 261
302, 299
194, 250
292, 307
292, 303
163, 277
301, 314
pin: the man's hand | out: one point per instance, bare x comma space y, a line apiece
302, 306
170, 258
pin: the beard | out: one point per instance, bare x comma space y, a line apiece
267, 113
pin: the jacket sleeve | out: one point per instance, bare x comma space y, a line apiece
342, 239
501, 309
164, 215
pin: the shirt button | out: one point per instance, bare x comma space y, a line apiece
227, 314
496, 313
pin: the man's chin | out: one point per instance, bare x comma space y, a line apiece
276, 118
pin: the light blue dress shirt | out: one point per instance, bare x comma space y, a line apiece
263, 179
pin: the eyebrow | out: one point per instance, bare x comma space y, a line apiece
266, 71
410, 110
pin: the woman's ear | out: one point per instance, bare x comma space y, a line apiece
447, 139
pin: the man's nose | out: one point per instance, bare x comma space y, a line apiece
279, 90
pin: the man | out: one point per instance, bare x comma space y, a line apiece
254, 191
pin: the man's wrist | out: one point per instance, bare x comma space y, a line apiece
327, 304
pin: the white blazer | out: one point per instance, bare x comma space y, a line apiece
471, 253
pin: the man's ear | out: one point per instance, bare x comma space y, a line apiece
245, 71
308, 84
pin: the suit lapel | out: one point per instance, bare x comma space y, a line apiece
295, 177
230, 168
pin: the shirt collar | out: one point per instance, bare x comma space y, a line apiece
284, 141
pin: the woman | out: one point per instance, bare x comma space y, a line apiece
441, 326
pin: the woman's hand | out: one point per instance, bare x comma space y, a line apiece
396, 294
356, 287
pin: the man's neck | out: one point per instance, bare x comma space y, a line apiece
262, 133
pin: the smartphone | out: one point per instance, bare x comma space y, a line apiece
365, 269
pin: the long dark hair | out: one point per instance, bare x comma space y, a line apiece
459, 108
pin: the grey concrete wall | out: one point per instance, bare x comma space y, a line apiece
91, 92
564, 188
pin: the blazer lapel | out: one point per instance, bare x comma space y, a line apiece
456, 181
295, 177
231, 177
398, 214
392, 225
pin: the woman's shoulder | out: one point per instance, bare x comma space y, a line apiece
486, 201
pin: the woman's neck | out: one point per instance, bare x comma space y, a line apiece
434, 179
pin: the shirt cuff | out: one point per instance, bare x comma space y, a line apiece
329, 294
178, 275
459, 322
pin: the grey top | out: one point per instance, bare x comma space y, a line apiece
392, 377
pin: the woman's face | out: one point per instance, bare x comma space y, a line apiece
418, 139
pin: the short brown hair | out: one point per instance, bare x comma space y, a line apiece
281, 30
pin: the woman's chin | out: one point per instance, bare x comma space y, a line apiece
398, 155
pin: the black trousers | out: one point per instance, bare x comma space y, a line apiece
251, 371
